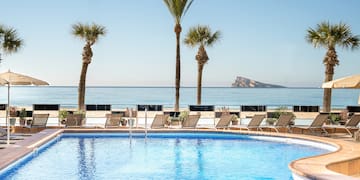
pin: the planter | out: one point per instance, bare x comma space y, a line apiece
175, 122
123, 122
63, 121
271, 121
357, 136
131, 122
28, 122
234, 122
22, 122
12, 121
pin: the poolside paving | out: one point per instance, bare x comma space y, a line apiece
15, 151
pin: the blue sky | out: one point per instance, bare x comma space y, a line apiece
261, 39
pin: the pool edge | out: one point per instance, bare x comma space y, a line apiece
15, 152
326, 166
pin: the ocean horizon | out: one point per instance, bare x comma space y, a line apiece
130, 96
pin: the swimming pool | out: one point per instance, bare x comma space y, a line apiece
162, 156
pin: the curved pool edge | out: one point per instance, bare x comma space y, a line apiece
333, 165
343, 163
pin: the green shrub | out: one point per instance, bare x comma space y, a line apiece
183, 115
63, 114
22, 114
334, 118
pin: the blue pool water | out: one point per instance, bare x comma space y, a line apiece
160, 156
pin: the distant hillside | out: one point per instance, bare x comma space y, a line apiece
243, 82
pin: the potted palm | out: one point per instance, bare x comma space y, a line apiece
22, 116
62, 116
168, 121
334, 119
234, 120
13, 116
183, 115
83, 116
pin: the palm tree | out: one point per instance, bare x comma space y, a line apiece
9, 40
178, 9
329, 36
202, 36
89, 33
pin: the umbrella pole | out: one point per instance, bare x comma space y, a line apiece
7, 117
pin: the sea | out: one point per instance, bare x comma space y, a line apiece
121, 97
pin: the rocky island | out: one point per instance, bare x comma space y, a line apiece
243, 82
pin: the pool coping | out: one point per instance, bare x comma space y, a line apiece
325, 166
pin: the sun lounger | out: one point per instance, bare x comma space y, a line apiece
159, 121
39, 120
206, 112
254, 122
190, 121
12, 138
352, 123
51, 109
2, 132
283, 122
3, 136
145, 112
318, 123
113, 120
75, 120
3, 141
224, 121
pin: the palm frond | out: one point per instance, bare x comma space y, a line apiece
332, 35
2, 28
178, 8
87, 32
10, 42
313, 37
78, 30
201, 35
214, 38
352, 42
187, 7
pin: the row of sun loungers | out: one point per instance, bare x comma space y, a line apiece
317, 124
284, 122
159, 121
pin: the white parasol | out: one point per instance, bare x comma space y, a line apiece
10, 78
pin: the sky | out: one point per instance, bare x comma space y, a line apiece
262, 40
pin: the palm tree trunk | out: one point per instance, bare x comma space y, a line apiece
199, 83
86, 57
330, 62
327, 92
177, 73
327, 97
82, 85
201, 58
